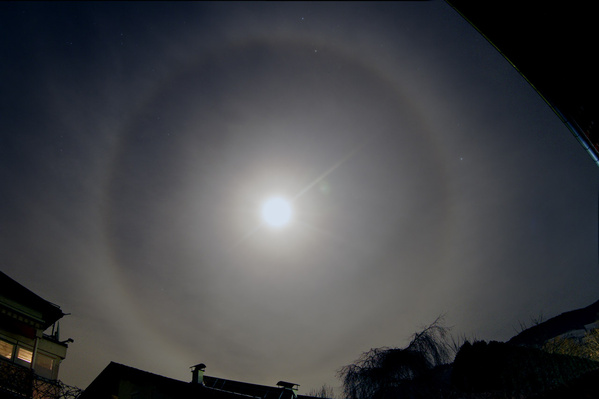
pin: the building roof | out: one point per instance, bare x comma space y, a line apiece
111, 379
244, 388
573, 320
20, 303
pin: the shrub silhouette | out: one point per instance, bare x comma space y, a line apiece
501, 367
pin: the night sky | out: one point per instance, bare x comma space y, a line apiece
139, 140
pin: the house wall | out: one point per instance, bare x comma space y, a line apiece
46, 354
23, 318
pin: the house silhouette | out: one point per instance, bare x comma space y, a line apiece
121, 381
29, 358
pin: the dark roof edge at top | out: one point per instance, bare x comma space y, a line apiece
552, 47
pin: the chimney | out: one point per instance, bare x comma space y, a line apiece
197, 373
290, 388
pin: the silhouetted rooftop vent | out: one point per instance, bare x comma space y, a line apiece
289, 386
197, 373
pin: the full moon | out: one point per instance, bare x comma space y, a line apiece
276, 212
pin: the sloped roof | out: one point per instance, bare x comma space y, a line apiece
15, 299
245, 388
558, 325
109, 380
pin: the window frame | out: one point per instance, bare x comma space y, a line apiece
13, 346
28, 352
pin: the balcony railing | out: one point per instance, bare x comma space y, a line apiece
22, 383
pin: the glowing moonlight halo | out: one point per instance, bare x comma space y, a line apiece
126, 134
276, 212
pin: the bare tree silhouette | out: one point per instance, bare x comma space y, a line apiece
325, 392
381, 372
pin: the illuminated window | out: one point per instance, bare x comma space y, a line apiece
24, 356
6, 349
44, 361
44, 365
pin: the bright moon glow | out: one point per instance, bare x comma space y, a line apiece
276, 212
